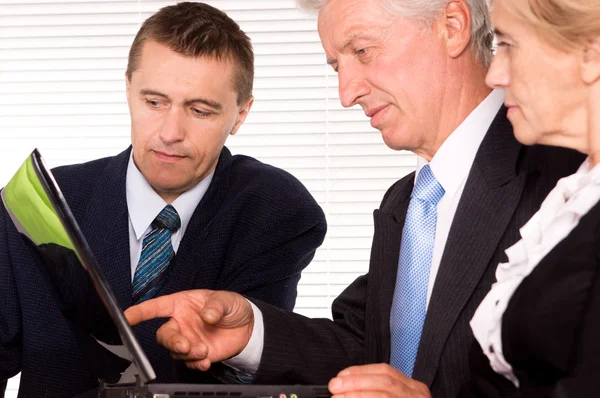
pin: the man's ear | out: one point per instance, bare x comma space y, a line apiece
242, 114
127, 86
590, 62
457, 25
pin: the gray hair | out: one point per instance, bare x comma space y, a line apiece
427, 10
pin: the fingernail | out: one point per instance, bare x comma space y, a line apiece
200, 352
335, 383
211, 313
344, 373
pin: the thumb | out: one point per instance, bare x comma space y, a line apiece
227, 310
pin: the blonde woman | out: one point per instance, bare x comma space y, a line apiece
539, 327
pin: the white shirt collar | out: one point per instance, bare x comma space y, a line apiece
453, 160
144, 204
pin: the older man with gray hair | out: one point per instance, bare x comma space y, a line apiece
417, 68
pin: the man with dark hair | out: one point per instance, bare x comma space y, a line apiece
226, 222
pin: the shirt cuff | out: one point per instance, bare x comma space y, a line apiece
248, 360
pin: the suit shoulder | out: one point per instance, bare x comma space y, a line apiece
78, 181
80, 172
255, 177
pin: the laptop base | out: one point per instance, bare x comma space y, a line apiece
212, 390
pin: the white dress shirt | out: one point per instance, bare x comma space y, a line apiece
559, 214
450, 166
144, 204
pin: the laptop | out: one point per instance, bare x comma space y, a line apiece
40, 213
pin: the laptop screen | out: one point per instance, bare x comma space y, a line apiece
40, 213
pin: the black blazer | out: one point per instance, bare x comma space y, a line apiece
253, 232
505, 187
551, 327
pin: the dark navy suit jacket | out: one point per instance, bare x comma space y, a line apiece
254, 231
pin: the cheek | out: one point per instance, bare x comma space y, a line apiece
540, 105
144, 124
400, 82
205, 135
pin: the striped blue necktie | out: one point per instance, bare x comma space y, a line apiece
157, 252
410, 296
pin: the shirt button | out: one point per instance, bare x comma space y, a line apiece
492, 349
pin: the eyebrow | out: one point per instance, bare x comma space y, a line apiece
498, 32
349, 40
213, 104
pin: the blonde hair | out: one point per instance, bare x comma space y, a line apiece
563, 23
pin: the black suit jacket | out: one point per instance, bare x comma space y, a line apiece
505, 187
253, 232
551, 327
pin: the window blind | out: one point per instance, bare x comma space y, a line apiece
62, 90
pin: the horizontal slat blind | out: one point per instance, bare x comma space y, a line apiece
62, 90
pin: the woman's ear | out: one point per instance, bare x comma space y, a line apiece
590, 62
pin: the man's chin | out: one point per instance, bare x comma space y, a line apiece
392, 139
168, 192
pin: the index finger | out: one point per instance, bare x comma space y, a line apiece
160, 307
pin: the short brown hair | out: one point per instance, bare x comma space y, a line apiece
563, 23
199, 30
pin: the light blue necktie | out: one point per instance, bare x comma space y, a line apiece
157, 252
410, 296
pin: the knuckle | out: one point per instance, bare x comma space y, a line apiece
387, 380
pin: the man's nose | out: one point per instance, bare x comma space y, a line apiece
172, 128
352, 86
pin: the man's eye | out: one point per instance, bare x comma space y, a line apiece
199, 112
153, 104
361, 51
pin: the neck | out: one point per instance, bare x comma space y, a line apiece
464, 90
593, 124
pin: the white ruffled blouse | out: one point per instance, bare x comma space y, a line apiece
559, 214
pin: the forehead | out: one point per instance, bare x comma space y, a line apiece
504, 18
343, 20
159, 65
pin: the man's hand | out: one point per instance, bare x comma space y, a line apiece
376, 380
205, 326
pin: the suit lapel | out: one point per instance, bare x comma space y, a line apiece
490, 197
388, 222
106, 228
